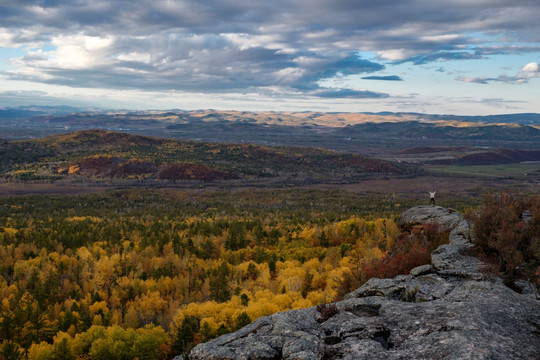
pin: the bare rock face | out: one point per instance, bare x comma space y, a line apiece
446, 310
447, 219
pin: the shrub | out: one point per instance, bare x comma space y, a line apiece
327, 311
507, 226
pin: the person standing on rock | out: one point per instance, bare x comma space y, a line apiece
432, 197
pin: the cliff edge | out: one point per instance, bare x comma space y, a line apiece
446, 310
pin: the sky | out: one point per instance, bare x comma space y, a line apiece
467, 57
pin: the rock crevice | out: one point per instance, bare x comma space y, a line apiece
445, 310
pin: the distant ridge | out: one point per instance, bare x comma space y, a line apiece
474, 156
372, 133
25, 112
499, 156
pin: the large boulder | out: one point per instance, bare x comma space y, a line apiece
446, 310
447, 219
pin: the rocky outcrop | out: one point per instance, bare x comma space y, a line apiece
445, 310
447, 219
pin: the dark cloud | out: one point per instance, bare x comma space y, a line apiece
442, 55
385, 78
329, 66
382, 21
218, 45
348, 93
506, 49
203, 64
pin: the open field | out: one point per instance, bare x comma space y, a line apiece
16, 189
447, 186
419, 186
523, 170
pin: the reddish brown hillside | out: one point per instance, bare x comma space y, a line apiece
110, 166
499, 156
99, 153
188, 171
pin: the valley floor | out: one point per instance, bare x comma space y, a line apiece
414, 186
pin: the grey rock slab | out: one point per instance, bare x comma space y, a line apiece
427, 288
447, 219
216, 353
366, 306
448, 257
303, 343
258, 350
421, 270
527, 288
303, 355
389, 288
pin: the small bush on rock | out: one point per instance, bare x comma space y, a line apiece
327, 311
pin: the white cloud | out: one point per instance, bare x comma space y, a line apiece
529, 71
137, 57
289, 75
531, 67
6, 38
442, 38
80, 51
247, 41
395, 54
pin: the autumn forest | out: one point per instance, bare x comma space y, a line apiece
152, 272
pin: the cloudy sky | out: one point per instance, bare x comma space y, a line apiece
432, 56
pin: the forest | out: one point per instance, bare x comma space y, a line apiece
147, 274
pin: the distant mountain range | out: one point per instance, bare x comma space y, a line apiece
371, 133
25, 112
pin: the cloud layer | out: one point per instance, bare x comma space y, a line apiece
258, 47
386, 78
528, 72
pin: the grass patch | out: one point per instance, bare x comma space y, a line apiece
502, 170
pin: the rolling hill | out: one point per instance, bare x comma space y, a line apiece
450, 155
100, 154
